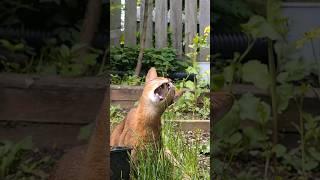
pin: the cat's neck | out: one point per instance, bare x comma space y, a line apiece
147, 112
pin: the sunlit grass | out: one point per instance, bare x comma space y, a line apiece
180, 163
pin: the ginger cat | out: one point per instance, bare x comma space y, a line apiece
143, 123
88, 162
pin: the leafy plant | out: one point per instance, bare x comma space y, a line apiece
194, 100
131, 80
124, 59
228, 15
116, 114
285, 83
16, 164
62, 60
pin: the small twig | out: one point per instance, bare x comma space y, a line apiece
142, 38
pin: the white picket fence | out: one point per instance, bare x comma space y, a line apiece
182, 22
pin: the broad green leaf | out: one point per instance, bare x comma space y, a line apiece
280, 150
283, 77
255, 135
310, 164
248, 107
64, 51
257, 73
49, 70
296, 70
229, 124
189, 85
18, 47
258, 27
314, 153
285, 93
218, 82
264, 112
90, 59
25, 143
228, 73
235, 138
77, 47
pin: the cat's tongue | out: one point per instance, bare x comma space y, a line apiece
160, 97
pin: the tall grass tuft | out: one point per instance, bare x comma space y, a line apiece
180, 163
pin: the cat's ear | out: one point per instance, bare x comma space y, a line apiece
152, 74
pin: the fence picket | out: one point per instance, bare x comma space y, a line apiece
130, 23
115, 23
176, 25
190, 22
149, 32
157, 25
204, 21
161, 23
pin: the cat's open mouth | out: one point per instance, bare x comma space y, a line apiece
162, 91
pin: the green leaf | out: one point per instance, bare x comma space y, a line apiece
25, 143
255, 135
296, 70
280, 150
285, 93
77, 47
257, 73
229, 124
18, 47
248, 107
310, 164
234, 139
218, 82
49, 70
90, 59
228, 73
283, 77
314, 153
259, 27
190, 85
6, 44
64, 51
264, 112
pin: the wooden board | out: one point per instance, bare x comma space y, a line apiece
149, 35
43, 135
192, 125
190, 22
161, 23
204, 21
176, 25
115, 21
130, 37
50, 99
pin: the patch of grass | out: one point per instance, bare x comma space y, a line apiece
177, 159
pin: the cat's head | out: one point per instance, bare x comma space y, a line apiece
158, 92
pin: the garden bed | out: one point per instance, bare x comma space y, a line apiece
44, 105
291, 115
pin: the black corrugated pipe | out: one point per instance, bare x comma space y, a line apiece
36, 37
225, 44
